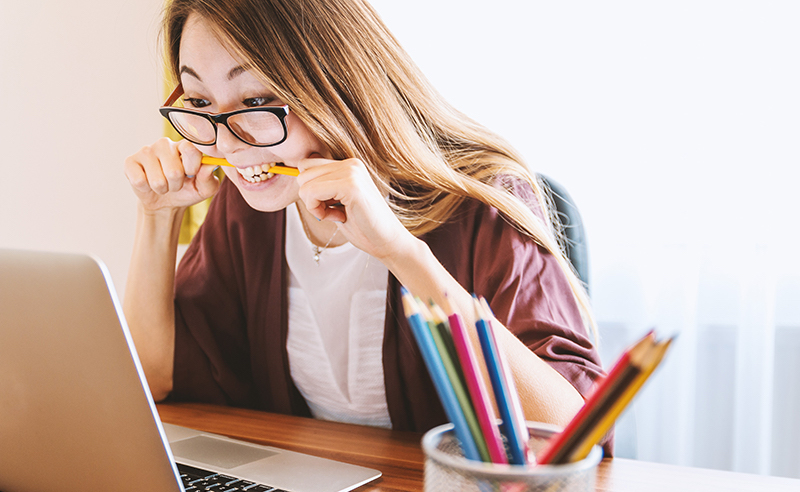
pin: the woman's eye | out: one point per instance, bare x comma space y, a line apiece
254, 102
195, 102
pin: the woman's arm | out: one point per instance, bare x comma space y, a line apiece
158, 176
148, 305
546, 396
370, 225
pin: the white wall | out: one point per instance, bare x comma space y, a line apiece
80, 90
644, 110
675, 126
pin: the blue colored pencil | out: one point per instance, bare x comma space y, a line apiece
433, 362
508, 405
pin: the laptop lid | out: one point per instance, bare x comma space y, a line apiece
74, 413
75, 410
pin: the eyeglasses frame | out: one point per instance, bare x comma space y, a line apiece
280, 111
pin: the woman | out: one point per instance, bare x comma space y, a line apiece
282, 301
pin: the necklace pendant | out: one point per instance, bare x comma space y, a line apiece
317, 251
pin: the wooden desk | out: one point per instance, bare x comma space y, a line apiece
399, 455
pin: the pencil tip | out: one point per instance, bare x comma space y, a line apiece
446, 306
486, 307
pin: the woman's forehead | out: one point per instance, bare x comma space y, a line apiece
199, 42
202, 53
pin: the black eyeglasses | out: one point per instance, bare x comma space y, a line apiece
259, 127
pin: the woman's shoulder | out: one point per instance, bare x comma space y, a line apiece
472, 211
477, 226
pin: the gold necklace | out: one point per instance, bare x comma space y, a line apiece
314, 248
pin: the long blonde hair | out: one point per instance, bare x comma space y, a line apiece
347, 78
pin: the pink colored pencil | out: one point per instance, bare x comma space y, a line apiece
477, 390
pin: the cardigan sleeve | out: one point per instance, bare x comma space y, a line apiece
523, 283
530, 294
527, 291
211, 347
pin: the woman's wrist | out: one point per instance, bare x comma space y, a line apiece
405, 259
162, 223
165, 215
157, 234
418, 269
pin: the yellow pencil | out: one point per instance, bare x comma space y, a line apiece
218, 161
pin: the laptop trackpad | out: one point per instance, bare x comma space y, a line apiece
217, 452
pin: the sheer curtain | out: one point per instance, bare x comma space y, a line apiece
675, 126
727, 395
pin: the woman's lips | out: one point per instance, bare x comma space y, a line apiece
257, 174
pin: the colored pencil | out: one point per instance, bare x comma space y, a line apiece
514, 426
433, 363
622, 374
481, 399
442, 324
606, 403
444, 342
601, 428
219, 161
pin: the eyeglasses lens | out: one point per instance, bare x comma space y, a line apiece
258, 128
194, 128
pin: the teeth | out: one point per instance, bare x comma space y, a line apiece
256, 174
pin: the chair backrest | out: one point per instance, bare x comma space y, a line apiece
574, 235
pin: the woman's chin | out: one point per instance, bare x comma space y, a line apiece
269, 195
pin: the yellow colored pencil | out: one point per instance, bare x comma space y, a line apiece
219, 161
652, 359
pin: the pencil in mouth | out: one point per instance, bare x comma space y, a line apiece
276, 168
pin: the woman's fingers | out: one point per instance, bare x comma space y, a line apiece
206, 182
136, 175
170, 162
153, 159
327, 187
330, 210
343, 191
169, 174
190, 159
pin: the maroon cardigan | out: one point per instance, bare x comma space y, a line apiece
231, 306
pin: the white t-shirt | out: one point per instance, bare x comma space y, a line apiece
337, 310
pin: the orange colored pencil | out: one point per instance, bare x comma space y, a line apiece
652, 359
622, 376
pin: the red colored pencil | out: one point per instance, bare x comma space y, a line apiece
621, 376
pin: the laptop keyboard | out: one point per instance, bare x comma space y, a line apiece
196, 480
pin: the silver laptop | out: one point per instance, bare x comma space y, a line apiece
75, 409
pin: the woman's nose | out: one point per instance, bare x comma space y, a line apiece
227, 142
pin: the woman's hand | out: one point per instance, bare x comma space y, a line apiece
168, 175
343, 191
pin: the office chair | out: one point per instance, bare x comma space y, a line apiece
574, 235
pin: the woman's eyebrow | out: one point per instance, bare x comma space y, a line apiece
186, 70
235, 71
